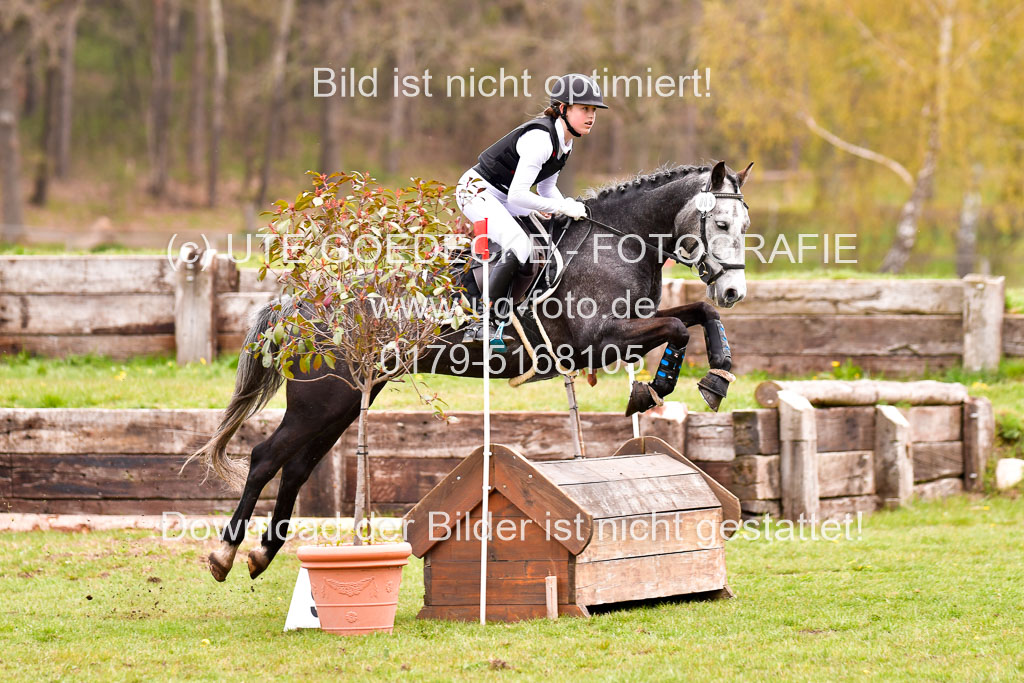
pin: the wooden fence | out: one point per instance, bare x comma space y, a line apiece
124, 306
127, 461
899, 327
131, 305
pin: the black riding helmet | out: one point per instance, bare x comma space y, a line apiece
575, 89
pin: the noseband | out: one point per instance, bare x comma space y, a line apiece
709, 266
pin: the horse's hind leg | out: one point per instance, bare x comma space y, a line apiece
260, 473
266, 459
294, 474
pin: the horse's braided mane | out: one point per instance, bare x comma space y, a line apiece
651, 179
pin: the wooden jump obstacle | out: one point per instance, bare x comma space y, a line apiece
644, 523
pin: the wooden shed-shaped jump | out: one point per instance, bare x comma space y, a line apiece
644, 523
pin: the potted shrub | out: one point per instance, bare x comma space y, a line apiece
369, 283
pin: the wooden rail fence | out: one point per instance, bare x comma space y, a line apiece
824, 461
124, 306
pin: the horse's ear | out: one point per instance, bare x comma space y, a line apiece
718, 175
744, 173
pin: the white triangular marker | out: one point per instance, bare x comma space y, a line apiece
302, 611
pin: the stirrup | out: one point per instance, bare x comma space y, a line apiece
497, 342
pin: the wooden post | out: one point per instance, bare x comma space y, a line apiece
798, 438
979, 433
894, 470
984, 303
575, 426
551, 596
195, 324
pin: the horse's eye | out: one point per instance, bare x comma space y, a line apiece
722, 225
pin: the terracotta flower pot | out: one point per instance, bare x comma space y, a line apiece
355, 587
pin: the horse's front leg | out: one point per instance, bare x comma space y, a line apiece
639, 336
715, 385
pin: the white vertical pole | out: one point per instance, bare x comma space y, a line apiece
487, 432
636, 416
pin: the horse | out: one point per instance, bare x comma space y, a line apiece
677, 206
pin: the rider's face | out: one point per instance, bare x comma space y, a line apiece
581, 117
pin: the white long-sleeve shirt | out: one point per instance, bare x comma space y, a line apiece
534, 148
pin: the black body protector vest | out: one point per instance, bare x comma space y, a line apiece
497, 164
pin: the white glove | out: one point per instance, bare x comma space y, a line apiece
573, 209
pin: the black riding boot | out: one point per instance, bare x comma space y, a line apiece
502, 272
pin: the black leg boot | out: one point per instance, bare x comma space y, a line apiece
502, 272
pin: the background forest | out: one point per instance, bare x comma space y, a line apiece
123, 122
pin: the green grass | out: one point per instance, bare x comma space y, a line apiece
931, 591
1015, 300
157, 382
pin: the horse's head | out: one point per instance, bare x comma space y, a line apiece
709, 233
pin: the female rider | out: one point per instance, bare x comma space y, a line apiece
498, 187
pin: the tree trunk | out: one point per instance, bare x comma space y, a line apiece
197, 119
30, 97
47, 134
276, 100
220, 77
362, 501
160, 98
69, 33
330, 151
967, 235
690, 138
398, 131
11, 221
906, 230
617, 138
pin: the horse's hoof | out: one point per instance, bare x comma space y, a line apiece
642, 398
713, 388
258, 561
221, 561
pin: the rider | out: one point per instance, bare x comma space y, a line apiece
498, 187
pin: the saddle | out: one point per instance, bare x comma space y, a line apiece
539, 274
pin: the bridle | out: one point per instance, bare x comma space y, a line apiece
709, 266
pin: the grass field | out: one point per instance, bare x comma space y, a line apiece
930, 591
157, 382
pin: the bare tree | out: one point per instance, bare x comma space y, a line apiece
30, 98
336, 24
46, 38
66, 53
47, 132
906, 229
14, 29
967, 234
398, 131
276, 90
197, 119
220, 79
160, 98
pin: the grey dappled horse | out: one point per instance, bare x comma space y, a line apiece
634, 227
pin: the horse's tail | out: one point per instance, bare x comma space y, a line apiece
255, 385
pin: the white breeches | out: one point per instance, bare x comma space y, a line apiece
479, 200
